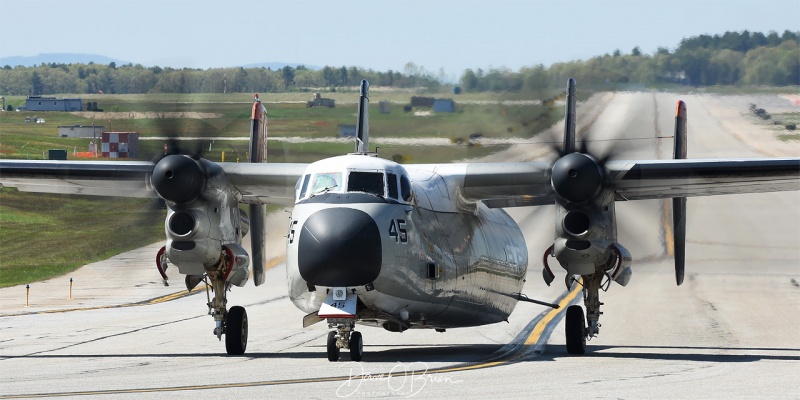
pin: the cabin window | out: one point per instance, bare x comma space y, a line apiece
405, 188
369, 182
326, 182
391, 184
304, 188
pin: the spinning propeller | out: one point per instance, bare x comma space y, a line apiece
580, 180
181, 175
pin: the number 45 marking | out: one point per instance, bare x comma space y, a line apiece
397, 230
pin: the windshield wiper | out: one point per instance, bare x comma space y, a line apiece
323, 190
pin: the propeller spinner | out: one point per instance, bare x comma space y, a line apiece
179, 178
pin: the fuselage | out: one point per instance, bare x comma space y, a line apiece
400, 239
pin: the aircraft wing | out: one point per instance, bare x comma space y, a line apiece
528, 183
257, 183
266, 183
515, 184
658, 179
97, 178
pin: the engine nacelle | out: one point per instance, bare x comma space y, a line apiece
203, 218
584, 232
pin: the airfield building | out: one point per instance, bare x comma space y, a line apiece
81, 131
38, 103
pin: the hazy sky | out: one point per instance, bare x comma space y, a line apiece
450, 35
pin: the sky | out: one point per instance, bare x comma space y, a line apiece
444, 36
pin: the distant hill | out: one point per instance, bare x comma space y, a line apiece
75, 58
277, 65
58, 58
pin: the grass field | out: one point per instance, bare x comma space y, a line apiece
20, 139
48, 235
43, 236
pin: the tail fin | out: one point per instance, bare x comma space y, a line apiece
679, 203
569, 118
258, 212
362, 127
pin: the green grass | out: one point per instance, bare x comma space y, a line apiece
19, 139
779, 129
44, 236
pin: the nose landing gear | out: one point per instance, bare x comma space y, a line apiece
344, 337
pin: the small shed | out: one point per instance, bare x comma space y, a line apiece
120, 144
419, 101
444, 105
80, 131
347, 131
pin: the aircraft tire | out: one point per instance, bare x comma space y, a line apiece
333, 349
356, 346
236, 331
575, 330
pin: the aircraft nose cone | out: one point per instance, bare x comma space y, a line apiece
339, 247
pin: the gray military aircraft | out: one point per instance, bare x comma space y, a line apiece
397, 246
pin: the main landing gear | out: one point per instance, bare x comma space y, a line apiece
577, 331
344, 337
231, 323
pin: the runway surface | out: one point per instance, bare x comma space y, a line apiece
730, 331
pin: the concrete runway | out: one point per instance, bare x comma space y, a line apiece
730, 331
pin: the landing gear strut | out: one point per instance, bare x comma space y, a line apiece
344, 337
231, 323
577, 329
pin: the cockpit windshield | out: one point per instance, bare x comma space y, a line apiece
391, 185
327, 182
368, 182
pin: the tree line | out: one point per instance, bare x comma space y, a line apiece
734, 58
136, 79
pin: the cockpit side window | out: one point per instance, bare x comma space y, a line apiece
369, 182
326, 182
405, 188
391, 184
304, 188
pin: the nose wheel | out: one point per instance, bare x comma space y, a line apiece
333, 347
356, 346
344, 337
